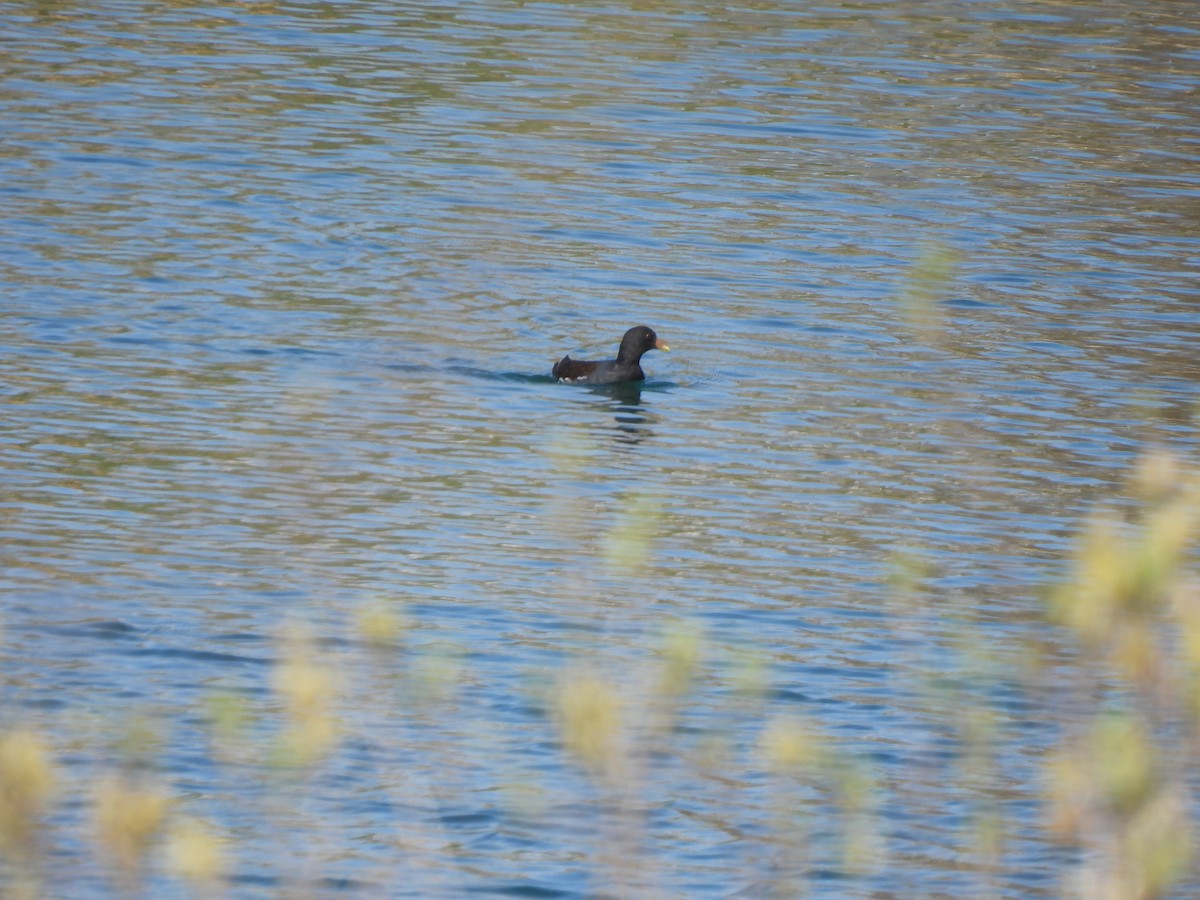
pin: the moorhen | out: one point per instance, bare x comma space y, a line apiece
626, 367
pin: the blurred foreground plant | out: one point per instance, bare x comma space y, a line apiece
129, 815
306, 689
194, 853
27, 780
1119, 785
796, 751
590, 718
928, 281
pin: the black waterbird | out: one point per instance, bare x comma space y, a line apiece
626, 367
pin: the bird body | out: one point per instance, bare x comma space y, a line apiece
626, 367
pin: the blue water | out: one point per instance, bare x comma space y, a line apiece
282, 286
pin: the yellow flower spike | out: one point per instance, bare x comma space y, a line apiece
26, 782
680, 658
1169, 531
928, 281
194, 853
1136, 653
1123, 762
306, 690
381, 625
1088, 603
589, 712
1159, 844
791, 746
127, 819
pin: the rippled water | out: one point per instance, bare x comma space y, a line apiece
282, 285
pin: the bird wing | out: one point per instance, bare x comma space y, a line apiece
573, 368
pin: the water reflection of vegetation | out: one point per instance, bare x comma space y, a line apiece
1118, 670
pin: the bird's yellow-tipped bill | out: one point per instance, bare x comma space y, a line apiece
659, 345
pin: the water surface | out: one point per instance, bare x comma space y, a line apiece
282, 287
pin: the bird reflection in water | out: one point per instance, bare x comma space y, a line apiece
625, 403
